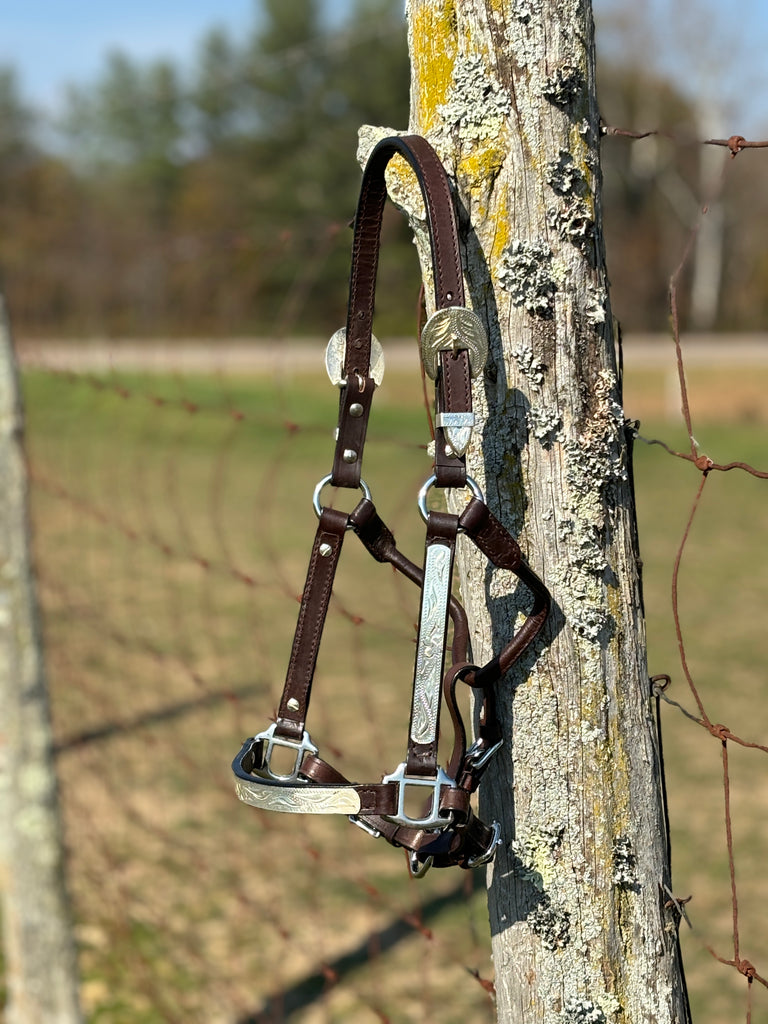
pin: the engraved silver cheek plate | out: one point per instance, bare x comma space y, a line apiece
335, 354
428, 676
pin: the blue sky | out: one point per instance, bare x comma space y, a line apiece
52, 42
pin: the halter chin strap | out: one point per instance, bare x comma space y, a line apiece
280, 769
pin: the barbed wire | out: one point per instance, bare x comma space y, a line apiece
706, 466
735, 143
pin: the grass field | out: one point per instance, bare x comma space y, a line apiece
173, 521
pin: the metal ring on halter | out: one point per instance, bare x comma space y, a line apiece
422, 499
326, 480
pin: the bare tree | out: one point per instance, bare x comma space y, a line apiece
583, 926
39, 952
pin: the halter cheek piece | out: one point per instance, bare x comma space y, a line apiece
446, 831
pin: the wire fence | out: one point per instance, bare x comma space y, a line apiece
706, 466
172, 513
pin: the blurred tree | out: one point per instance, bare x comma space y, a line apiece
40, 969
215, 93
17, 122
212, 201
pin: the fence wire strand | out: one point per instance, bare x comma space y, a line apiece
706, 466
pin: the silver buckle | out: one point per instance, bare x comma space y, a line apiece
269, 741
434, 819
490, 851
450, 330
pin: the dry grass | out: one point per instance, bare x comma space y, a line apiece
171, 545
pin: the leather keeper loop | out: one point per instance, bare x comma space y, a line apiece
348, 458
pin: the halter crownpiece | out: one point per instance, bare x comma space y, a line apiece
446, 830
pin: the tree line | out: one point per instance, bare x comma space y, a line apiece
214, 198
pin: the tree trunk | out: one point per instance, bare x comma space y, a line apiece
37, 937
581, 921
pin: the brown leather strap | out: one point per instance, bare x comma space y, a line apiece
292, 713
443, 236
449, 291
354, 411
465, 840
375, 799
380, 542
503, 551
485, 530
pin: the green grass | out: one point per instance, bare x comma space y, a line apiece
173, 521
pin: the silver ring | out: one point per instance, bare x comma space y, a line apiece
326, 480
422, 499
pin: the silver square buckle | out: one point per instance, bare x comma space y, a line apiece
434, 819
269, 741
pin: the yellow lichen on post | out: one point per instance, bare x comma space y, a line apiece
433, 41
477, 170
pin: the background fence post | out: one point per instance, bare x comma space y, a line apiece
38, 946
583, 928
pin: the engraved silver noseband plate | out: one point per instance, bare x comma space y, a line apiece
304, 799
294, 796
452, 330
335, 354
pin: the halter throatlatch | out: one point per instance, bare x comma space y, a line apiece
445, 831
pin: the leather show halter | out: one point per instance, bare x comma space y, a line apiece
446, 831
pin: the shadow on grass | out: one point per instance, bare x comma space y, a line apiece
282, 1004
111, 729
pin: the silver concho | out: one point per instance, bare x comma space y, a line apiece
335, 353
451, 330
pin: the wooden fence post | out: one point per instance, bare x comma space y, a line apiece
583, 928
38, 947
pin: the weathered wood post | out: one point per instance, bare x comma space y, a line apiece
582, 926
38, 948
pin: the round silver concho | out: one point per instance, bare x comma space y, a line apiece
451, 330
335, 354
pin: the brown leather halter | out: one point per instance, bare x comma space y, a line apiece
447, 831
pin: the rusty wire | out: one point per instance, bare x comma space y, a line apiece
705, 465
735, 143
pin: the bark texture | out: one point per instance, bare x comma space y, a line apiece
39, 952
504, 90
